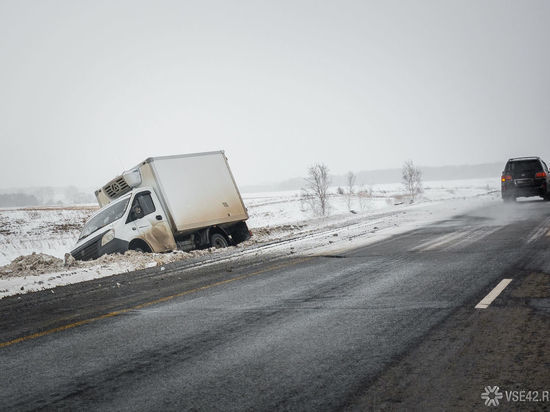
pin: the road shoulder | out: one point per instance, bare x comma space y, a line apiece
505, 345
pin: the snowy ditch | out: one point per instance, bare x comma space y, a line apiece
33, 242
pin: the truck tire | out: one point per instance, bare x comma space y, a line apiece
218, 241
139, 246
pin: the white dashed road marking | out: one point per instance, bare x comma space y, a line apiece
473, 237
443, 241
455, 240
539, 231
487, 300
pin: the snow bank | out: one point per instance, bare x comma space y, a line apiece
34, 263
39, 271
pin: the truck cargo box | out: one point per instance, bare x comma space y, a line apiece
196, 190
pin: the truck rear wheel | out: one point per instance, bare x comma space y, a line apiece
218, 241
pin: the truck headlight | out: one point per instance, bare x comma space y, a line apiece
107, 237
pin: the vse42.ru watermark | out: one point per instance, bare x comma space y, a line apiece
493, 396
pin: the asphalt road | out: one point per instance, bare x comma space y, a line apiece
297, 334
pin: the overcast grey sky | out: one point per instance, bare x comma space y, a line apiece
89, 88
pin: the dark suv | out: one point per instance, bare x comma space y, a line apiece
524, 177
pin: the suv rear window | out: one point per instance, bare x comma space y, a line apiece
522, 166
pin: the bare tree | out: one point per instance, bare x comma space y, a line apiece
316, 190
350, 181
364, 194
412, 179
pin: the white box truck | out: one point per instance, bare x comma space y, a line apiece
165, 203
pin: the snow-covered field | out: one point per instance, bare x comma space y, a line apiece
279, 220
279, 208
51, 230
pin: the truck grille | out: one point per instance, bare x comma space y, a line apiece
87, 252
116, 188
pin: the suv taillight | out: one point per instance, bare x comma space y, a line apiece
506, 177
540, 175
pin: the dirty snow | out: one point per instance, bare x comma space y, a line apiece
281, 223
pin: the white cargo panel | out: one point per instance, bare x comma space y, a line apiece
198, 190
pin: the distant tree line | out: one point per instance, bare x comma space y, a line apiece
46, 196
18, 199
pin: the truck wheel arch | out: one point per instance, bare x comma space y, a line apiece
239, 232
139, 245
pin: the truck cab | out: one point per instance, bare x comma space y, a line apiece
134, 222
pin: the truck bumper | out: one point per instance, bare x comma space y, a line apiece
93, 249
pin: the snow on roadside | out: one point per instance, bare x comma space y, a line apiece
274, 219
279, 208
49, 230
40, 271
54, 230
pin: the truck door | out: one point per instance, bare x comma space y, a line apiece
151, 223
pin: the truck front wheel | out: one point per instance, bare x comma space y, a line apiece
218, 241
139, 246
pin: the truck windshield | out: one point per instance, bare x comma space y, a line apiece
103, 218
